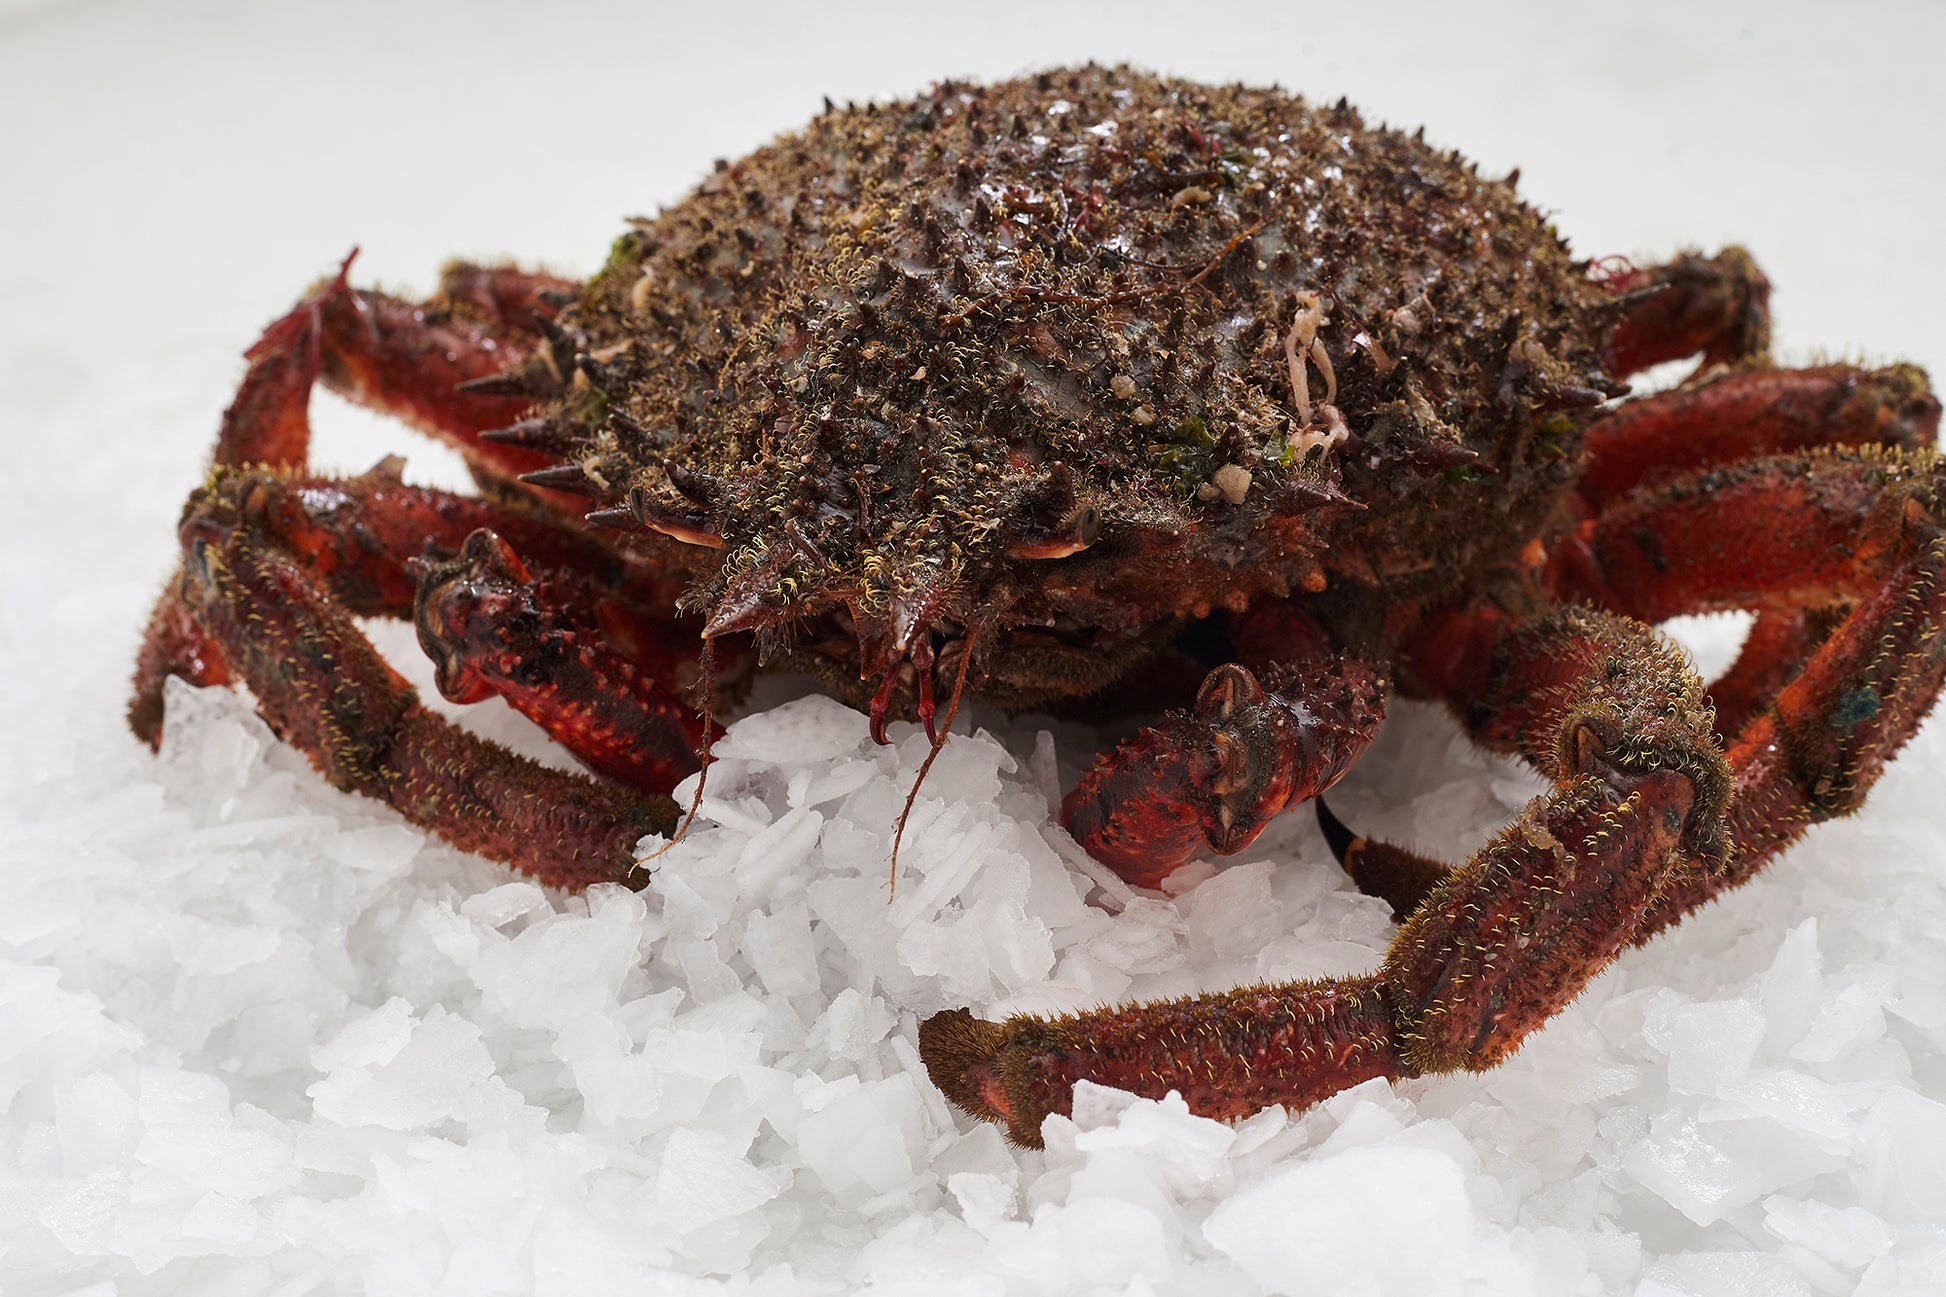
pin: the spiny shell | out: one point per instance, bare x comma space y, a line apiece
1016, 356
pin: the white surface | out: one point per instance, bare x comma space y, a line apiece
253, 1038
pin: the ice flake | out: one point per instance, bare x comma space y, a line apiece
1314, 1218
780, 951
1094, 1241
561, 966
499, 906
1844, 1236
703, 1180
868, 1141
1904, 1146
1234, 914
190, 1134
1712, 1044
1848, 1018
851, 1024
1705, 1176
440, 1071
1801, 1102
984, 1200
777, 851
808, 731
1790, 988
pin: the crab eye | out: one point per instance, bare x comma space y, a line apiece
1077, 534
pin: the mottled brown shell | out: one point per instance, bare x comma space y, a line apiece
1014, 358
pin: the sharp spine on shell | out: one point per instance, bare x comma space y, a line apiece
618, 518
700, 487
748, 601
1053, 521
1566, 396
635, 441
1302, 495
571, 479
532, 380
545, 436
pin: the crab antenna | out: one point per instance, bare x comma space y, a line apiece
702, 756
938, 742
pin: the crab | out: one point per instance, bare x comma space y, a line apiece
1102, 392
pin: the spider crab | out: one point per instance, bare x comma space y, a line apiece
1096, 385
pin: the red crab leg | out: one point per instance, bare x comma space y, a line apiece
174, 644
1857, 527
352, 334
1780, 641
324, 689
1717, 305
581, 660
1211, 778
407, 359
359, 532
1754, 412
1497, 946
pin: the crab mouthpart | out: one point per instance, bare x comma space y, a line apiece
912, 660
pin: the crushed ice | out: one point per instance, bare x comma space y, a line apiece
258, 1036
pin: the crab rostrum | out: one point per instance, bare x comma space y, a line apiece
1089, 388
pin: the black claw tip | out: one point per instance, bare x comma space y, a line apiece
1336, 835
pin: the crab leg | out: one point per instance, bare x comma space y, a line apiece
1746, 414
403, 358
1719, 306
1213, 776
578, 657
1754, 412
1858, 527
324, 689
268, 423
1497, 945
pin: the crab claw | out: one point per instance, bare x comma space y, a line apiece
1247, 771
461, 605
1211, 778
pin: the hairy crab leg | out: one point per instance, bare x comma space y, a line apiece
1211, 777
1862, 527
323, 688
357, 534
1496, 947
1719, 306
1780, 642
1754, 412
1400, 877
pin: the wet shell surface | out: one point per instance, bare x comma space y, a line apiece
1060, 364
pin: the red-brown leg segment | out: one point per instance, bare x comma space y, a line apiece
1399, 876
1719, 306
1496, 947
1780, 642
1856, 528
173, 645
356, 536
1750, 413
1213, 776
407, 359
578, 658
323, 688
